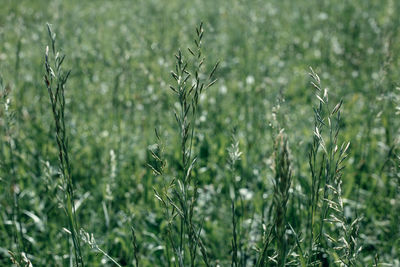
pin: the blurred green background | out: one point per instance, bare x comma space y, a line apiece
121, 53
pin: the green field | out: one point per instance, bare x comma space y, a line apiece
274, 140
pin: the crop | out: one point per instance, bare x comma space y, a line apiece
121, 146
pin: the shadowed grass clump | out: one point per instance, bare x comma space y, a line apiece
282, 183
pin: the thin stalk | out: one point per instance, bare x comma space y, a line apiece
55, 81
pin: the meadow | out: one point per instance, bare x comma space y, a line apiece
199, 133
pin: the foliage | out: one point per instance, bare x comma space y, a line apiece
257, 169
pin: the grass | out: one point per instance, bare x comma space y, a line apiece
55, 80
132, 150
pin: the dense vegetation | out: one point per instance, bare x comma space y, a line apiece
133, 150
